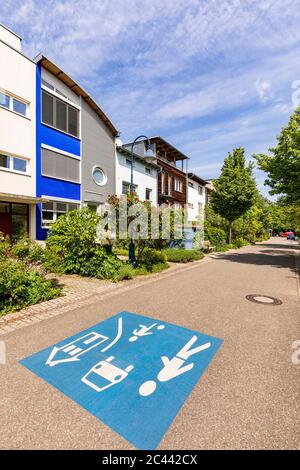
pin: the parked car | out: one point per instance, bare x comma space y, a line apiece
287, 233
291, 236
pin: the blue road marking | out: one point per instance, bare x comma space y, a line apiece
131, 372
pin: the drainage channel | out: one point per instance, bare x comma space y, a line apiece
263, 299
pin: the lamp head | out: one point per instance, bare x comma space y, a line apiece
149, 153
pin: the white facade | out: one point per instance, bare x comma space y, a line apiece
144, 177
17, 123
10, 38
196, 200
58, 88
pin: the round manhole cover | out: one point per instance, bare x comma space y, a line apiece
263, 299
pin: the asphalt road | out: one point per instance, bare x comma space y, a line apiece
248, 398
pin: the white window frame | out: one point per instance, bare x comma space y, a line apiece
200, 190
67, 102
163, 180
50, 88
150, 198
10, 168
46, 224
178, 185
126, 182
97, 167
169, 185
13, 97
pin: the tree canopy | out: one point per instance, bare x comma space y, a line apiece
283, 166
235, 189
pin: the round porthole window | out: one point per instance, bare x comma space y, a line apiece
99, 176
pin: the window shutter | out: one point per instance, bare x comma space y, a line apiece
60, 166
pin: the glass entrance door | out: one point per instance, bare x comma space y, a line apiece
14, 219
20, 220
5, 219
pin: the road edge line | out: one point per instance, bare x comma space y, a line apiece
297, 264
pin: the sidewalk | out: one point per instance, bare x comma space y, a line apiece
79, 291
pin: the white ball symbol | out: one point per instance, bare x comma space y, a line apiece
147, 388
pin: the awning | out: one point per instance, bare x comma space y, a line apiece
5, 197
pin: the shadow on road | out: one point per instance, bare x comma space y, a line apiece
281, 246
271, 255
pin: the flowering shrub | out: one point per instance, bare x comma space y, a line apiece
21, 286
71, 247
4, 246
26, 249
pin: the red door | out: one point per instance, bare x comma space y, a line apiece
5, 224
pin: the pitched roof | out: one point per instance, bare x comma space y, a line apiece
197, 178
162, 146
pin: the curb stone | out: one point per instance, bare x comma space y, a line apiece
297, 264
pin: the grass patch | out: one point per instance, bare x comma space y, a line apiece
121, 251
179, 255
125, 272
143, 270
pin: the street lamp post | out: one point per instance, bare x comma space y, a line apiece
149, 154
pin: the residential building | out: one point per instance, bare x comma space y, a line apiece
17, 138
196, 197
75, 145
209, 189
58, 145
98, 148
172, 171
145, 175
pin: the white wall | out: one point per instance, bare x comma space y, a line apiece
140, 177
195, 198
59, 85
10, 38
32, 221
17, 133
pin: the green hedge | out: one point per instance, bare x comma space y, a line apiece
223, 248
240, 242
179, 255
151, 257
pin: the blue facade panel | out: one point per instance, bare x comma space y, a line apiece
59, 189
41, 233
60, 140
45, 186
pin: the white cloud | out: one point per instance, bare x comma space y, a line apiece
263, 88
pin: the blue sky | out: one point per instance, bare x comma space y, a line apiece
207, 75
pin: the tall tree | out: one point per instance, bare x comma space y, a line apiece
283, 166
235, 189
285, 217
